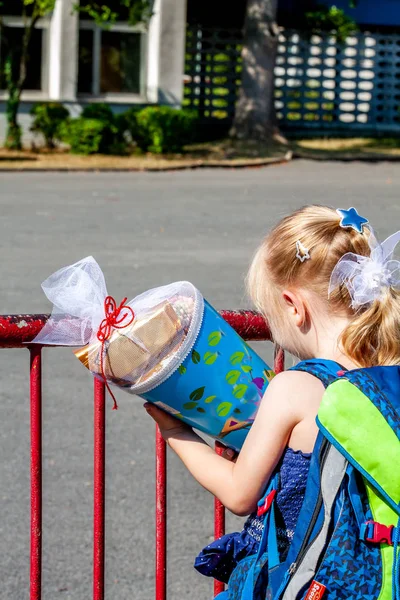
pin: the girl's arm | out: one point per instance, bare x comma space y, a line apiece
288, 400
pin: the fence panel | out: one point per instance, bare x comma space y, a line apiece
320, 83
16, 331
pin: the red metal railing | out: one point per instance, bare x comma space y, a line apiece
16, 331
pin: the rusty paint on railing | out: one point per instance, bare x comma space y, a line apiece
17, 330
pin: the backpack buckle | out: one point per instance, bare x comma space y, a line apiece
376, 533
265, 505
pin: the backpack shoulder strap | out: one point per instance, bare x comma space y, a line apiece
327, 371
359, 416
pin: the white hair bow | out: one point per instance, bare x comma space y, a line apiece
366, 277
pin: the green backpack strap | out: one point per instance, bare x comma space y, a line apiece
356, 427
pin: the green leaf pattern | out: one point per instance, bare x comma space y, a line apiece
197, 395
214, 338
196, 358
232, 377
209, 399
223, 409
210, 357
190, 405
240, 390
236, 358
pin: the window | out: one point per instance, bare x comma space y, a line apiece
85, 61
110, 60
11, 41
120, 62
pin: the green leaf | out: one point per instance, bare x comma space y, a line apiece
236, 358
209, 399
214, 338
246, 368
196, 358
189, 405
182, 370
240, 390
232, 377
197, 395
268, 374
210, 357
224, 408
200, 410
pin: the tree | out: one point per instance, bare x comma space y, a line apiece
255, 110
16, 63
255, 117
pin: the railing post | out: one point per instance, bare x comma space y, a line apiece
36, 472
279, 360
161, 517
99, 489
219, 524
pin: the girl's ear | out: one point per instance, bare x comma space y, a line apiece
296, 308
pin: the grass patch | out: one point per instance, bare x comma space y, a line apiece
350, 147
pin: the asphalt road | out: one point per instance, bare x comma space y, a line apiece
145, 230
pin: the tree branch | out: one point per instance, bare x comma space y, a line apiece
26, 40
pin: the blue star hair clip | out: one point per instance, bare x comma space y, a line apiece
351, 218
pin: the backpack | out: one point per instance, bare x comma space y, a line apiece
347, 539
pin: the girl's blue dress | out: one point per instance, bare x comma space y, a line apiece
221, 557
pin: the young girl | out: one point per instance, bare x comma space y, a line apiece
312, 314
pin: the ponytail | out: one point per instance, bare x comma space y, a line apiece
373, 336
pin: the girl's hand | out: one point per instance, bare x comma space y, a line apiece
169, 426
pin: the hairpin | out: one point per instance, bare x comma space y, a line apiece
351, 218
303, 253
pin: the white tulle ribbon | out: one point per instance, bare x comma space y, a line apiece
77, 293
366, 277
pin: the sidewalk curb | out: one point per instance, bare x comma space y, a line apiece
215, 164
344, 157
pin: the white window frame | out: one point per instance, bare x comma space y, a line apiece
116, 97
34, 95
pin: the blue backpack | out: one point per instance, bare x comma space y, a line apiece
347, 539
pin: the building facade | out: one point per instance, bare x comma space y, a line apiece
74, 61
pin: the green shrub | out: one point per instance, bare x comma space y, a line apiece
47, 118
92, 136
330, 19
160, 129
100, 111
128, 123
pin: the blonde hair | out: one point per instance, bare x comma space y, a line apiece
373, 334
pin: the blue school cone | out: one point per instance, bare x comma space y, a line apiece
218, 387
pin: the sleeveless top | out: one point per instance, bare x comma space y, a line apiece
219, 558
293, 472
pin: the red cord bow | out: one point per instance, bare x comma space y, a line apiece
113, 320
